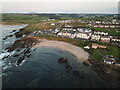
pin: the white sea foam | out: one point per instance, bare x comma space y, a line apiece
12, 53
6, 43
2, 63
4, 54
20, 63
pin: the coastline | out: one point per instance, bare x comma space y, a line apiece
77, 51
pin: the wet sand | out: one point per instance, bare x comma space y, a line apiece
77, 51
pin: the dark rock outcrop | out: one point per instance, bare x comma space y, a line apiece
76, 73
109, 72
87, 63
13, 31
63, 60
68, 68
22, 43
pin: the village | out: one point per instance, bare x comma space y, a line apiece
89, 34
85, 34
84, 28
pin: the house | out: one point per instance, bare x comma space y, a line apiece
109, 59
68, 26
52, 24
101, 46
95, 37
67, 34
80, 29
67, 29
83, 35
115, 39
98, 22
101, 26
96, 32
112, 26
104, 33
106, 39
106, 26
95, 46
95, 26
87, 47
56, 30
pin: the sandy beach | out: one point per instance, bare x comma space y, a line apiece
77, 51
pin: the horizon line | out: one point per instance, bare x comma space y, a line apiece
66, 12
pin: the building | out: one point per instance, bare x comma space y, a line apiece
115, 39
95, 46
95, 37
52, 24
83, 35
106, 39
87, 47
109, 59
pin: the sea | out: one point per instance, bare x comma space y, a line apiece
42, 69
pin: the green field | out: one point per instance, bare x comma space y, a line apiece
24, 19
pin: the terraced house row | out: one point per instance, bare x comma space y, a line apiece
95, 36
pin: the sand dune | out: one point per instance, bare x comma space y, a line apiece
77, 51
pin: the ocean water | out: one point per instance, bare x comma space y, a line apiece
42, 69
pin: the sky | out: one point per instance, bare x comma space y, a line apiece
60, 6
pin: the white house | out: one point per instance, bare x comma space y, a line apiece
95, 37
83, 35
105, 39
52, 24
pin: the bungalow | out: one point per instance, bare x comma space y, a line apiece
109, 59
87, 47
95, 46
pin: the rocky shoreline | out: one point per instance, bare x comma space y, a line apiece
106, 71
110, 73
24, 46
